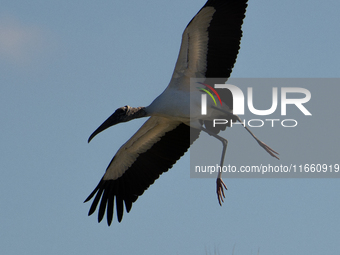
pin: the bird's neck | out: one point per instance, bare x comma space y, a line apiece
136, 112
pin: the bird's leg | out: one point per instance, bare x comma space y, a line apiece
219, 182
262, 144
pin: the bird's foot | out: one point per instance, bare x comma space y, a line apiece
268, 149
220, 191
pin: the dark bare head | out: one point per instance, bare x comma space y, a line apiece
122, 114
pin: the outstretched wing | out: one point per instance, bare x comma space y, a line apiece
210, 44
151, 151
211, 40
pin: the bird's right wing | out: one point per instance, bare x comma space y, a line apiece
152, 150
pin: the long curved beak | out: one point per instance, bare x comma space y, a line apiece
110, 121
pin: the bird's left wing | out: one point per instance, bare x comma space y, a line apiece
152, 150
211, 41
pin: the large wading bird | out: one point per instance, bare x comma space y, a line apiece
210, 44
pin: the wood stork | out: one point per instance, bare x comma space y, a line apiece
210, 44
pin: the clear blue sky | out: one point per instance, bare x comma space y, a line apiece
66, 66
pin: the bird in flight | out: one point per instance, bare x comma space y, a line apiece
210, 44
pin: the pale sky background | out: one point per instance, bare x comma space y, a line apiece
65, 66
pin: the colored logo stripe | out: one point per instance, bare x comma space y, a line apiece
213, 90
208, 92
